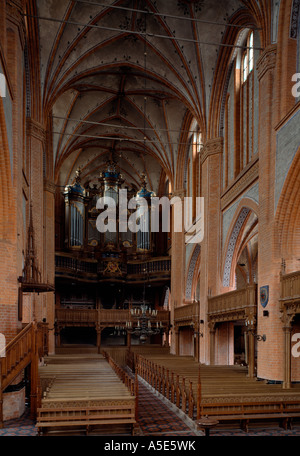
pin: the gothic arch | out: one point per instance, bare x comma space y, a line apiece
193, 273
287, 217
223, 69
234, 239
5, 179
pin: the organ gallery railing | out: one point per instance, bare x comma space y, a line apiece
68, 265
101, 316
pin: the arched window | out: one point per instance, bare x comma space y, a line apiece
248, 102
240, 115
248, 58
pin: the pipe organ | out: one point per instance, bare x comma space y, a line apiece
81, 213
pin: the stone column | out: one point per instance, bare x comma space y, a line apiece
196, 345
35, 136
287, 356
49, 255
58, 341
177, 347
251, 329
128, 339
287, 319
99, 331
212, 334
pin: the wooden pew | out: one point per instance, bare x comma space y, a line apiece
85, 417
86, 394
221, 392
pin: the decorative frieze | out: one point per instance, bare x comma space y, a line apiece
189, 281
231, 245
294, 19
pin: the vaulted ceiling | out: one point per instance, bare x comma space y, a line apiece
121, 78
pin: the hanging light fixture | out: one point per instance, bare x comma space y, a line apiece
143, 322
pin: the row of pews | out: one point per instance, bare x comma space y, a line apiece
86, 393
221, 392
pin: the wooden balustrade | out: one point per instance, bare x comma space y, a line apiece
101, 316
234, 302
75, 316
92, 267
16, 352
188, 312
114, 315
25, 349
290, 285
152, 266
130, 383
170, 385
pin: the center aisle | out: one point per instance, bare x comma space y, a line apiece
157, 419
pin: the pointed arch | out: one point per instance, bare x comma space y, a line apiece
234, 239
287, 217
193, 272
5, 179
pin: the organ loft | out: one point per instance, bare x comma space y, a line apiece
149, 215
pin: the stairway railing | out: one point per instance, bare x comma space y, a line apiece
25, 349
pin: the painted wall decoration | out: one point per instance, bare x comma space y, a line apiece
231, 246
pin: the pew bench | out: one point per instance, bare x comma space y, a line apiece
244, 412
85, 417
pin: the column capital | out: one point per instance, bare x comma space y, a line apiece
211, 147
181, 192
14, 13
266, 61
35, 129
288, 314
49, 186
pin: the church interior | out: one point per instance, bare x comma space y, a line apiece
149, 212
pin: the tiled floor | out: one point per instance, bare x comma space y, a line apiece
156, 418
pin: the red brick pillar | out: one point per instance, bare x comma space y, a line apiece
35, 146
49, 266
11, 146
270, 354
211, 162
177, 272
